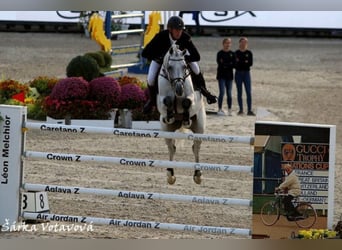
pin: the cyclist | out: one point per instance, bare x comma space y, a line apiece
155, 51
291, 186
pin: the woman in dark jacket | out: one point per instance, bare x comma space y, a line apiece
155, 51
225, 59
244, 62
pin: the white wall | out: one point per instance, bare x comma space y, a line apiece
279, 19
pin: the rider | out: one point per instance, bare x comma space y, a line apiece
291, 184
155, 51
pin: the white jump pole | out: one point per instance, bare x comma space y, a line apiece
12, 146
136, 223
136, 162
137, 195
59, 128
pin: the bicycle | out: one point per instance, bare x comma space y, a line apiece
271, 211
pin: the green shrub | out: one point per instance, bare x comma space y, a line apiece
107, 58
83, 66
99, 58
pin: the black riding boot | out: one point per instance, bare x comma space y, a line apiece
151, 102
199, 83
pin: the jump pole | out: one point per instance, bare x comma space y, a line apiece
135, 223
59, 128
137, 195
136, 162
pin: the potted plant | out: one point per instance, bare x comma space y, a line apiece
138, 118
10, 88
75, 98
40, 87
132, 97
145, 121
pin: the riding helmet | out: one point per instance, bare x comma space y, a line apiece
175, 22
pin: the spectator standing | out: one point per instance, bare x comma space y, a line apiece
225, 60
244, 61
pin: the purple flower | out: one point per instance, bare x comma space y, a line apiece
70, 88
106, 90
131, 97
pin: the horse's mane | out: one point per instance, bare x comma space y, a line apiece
173, 47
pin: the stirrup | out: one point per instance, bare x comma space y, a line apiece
211, 99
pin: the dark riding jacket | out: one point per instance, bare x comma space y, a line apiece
159, 45
225, 63
244, 60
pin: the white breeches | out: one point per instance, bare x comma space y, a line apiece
152, 73
195, 67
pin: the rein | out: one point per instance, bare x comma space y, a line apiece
164, 73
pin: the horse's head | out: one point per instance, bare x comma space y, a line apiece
176, 70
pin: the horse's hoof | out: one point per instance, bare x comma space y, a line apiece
169, 121
187, 124
171, 179
197, 177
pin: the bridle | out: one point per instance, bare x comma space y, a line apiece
166, 74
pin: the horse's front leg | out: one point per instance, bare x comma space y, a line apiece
198, 127
198, 173
171, 178
186, 104
170, 115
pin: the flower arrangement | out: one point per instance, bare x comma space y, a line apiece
43, 84
67, 98
9, 88
70, 88
40, 87
76, 109
316, 234
123, 80
30, 94
131, 96
137, 112
79, 99
105, 90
